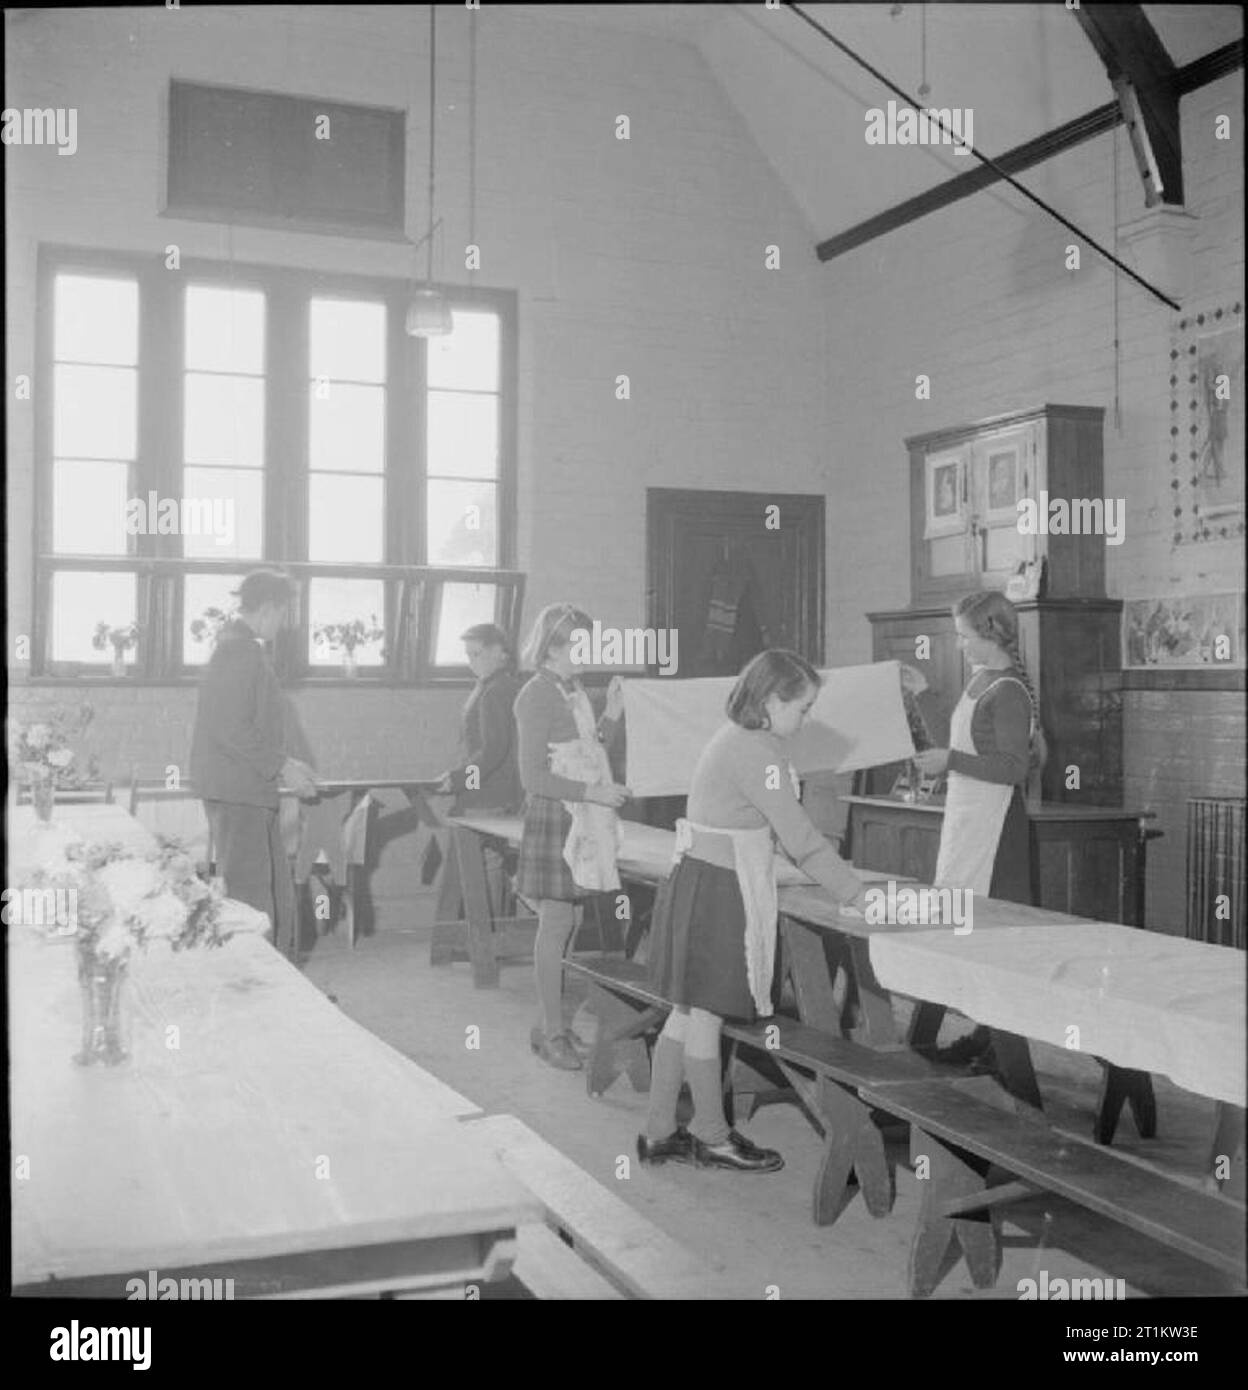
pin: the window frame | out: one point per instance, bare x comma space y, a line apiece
412, 587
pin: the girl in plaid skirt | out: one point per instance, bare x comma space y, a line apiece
553, 709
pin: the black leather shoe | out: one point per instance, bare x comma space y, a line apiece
676, 1148
738, 1154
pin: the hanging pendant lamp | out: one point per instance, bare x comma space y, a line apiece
428, 313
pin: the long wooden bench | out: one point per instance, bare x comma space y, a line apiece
984, 1151
619, 1249
826, 1073
983, 1148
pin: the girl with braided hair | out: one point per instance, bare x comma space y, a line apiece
995, 741
985, 842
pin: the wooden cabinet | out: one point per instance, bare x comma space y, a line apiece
1088, 861
966, 483
1070, 648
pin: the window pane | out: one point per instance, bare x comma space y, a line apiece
224, 330
462, 606
201, 592
226, 515
462, 436
347, 427
89, 507
224, 420
80, 602
96, 320
462, 523
336, 601
466, 359
345, 518
94, 415
347, 340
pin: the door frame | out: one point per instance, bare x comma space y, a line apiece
802, 514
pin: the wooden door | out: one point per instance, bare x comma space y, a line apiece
728, 583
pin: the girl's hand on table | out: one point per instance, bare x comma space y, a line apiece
607, 794
932, 761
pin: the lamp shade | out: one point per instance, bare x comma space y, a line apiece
428, 315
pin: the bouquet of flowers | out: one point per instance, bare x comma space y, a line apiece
121, 639
126, 899
346, 637
44, 752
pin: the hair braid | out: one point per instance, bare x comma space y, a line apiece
1010, 646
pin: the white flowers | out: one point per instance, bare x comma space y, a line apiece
61, 757
38, 735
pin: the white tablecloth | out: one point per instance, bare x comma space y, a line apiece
1160, 1004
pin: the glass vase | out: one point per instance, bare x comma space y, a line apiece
101, 982
350, 667
43, 798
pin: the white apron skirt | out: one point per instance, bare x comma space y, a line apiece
974, 815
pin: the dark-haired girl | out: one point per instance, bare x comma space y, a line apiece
994, 741
993, 744
489, 776
714, 931
569, 815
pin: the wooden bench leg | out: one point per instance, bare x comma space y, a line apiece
621, 1024
853, 1157
1018, 1076
450, 931
925, 1024
951, 1175
1119, 1086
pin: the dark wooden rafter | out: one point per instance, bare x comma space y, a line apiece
1194, 75
1142, 75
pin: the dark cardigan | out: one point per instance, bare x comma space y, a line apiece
489, 734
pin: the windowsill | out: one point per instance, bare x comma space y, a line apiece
192, 682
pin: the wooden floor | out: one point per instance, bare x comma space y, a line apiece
756, 1230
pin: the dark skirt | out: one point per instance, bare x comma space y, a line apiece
543, 872
1012, 870
697, 941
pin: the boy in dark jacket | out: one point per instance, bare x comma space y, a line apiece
246, 734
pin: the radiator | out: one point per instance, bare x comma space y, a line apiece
1215, 869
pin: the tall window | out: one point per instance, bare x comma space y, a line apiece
95, 382
206, 421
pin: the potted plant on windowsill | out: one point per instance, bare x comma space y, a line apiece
346, 638
121, 639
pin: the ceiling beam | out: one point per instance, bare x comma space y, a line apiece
1186, 79
1142, 75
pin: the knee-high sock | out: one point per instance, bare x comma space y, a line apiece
555, 921
667, 1071
702, 1067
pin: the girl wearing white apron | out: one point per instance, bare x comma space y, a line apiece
984, 840
714, 924
994, 741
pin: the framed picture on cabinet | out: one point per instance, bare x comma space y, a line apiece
946, 494
1003, 483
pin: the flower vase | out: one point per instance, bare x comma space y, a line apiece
119, 664
350, 667
43, 798
101, 982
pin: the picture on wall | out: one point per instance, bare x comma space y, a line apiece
1192, 632
1207, 425
946, 495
